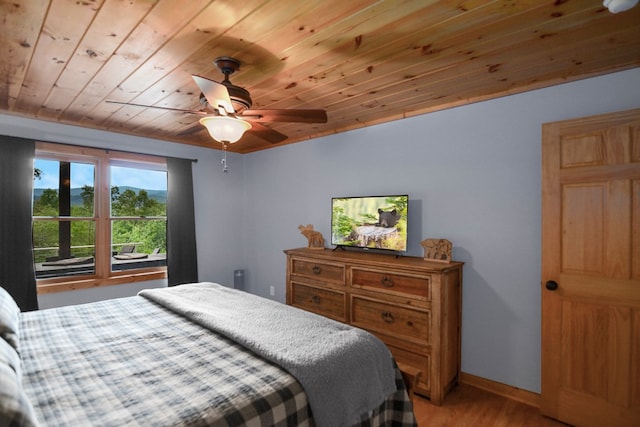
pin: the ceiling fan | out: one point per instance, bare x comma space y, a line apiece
231, 104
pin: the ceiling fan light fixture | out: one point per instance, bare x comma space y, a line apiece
616, 6
225, 128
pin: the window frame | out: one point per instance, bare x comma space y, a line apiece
102, 159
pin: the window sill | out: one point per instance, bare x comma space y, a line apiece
64, 284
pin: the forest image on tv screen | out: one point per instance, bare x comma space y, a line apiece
370, 222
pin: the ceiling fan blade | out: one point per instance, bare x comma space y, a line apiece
268, 134
179, 110
299, 116
216, 93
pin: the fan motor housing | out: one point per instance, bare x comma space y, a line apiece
239, 97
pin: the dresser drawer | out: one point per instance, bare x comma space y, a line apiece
395, 320
319, 271
419, 365
319, 300
416, 286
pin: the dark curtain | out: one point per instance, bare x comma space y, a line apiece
182, 262
17, 273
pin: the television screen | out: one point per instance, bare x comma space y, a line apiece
377, 222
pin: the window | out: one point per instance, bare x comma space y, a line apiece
99, 217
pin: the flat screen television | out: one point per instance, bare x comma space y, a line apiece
372, 222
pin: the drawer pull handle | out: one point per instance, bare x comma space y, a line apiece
315, 299
387, 282
387, 317
316, 269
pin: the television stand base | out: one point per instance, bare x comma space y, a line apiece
347, 248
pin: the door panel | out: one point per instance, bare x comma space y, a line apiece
591, 249
583, 228
593, 328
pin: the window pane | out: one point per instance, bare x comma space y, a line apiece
138, 192
57, 255
138, 244
56, 181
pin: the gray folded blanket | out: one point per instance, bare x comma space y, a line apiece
346, 372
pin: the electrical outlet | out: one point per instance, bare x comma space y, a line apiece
272, 291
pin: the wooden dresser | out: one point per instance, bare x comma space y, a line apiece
413, 305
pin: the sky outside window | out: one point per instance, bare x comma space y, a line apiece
139, 178
82, 174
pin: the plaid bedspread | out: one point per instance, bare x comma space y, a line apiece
130, 362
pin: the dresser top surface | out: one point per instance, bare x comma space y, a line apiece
359, 257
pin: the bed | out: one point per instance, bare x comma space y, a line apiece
193, 355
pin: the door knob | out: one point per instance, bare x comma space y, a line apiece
551, 285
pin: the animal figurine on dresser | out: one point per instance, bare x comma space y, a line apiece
438, 250
315, 239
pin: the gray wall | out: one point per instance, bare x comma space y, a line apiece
473, 175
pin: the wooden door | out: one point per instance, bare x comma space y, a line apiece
591, 270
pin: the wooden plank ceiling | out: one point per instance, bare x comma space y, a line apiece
363, 61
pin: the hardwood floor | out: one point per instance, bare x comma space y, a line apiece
470, 406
